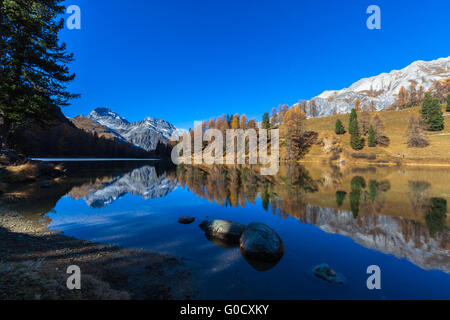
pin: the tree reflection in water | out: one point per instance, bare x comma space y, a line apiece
237, 185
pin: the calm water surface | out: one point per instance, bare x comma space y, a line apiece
348, 218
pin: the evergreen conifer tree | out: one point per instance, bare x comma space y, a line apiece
353, 118
371, 142
339, 127
448, 103
266, 121
432, 113
356, 141
34, 69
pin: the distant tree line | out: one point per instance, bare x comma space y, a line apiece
414, 96
65, 140
295, 140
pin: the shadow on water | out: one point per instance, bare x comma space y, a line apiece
145, 275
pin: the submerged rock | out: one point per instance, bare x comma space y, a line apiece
224, 230
260, 265
186, 220
324, 272
261, 243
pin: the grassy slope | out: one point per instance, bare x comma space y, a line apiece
91, 126
395, 122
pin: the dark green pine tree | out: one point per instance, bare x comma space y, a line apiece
371, 140
436, 216
353, 118
340, 197
266, 121
339, 127
34, 69
229, 118
448, 103
432, 113
356, 140
357, 185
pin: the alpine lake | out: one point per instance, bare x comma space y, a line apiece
395, 218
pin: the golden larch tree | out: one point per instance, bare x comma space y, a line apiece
357, 105
293, 131
235, 122
402, 98
243, 122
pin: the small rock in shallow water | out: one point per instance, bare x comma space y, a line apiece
223, 229
186, 220
324, 272
260, 242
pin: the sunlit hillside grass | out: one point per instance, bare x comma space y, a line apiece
395, 122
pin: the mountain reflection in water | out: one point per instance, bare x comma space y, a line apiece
389, 210
414, 229
144, 182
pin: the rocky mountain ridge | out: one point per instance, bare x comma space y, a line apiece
379, 91
145, 134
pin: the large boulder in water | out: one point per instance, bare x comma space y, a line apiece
224, 230
260, 242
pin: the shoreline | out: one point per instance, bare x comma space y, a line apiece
90, 159
368, 163
34, 260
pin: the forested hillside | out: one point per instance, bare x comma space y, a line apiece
61, 138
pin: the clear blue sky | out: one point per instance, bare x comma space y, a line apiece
190, 60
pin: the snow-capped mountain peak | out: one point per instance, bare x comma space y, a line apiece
381, 90
109, 118
144, 134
